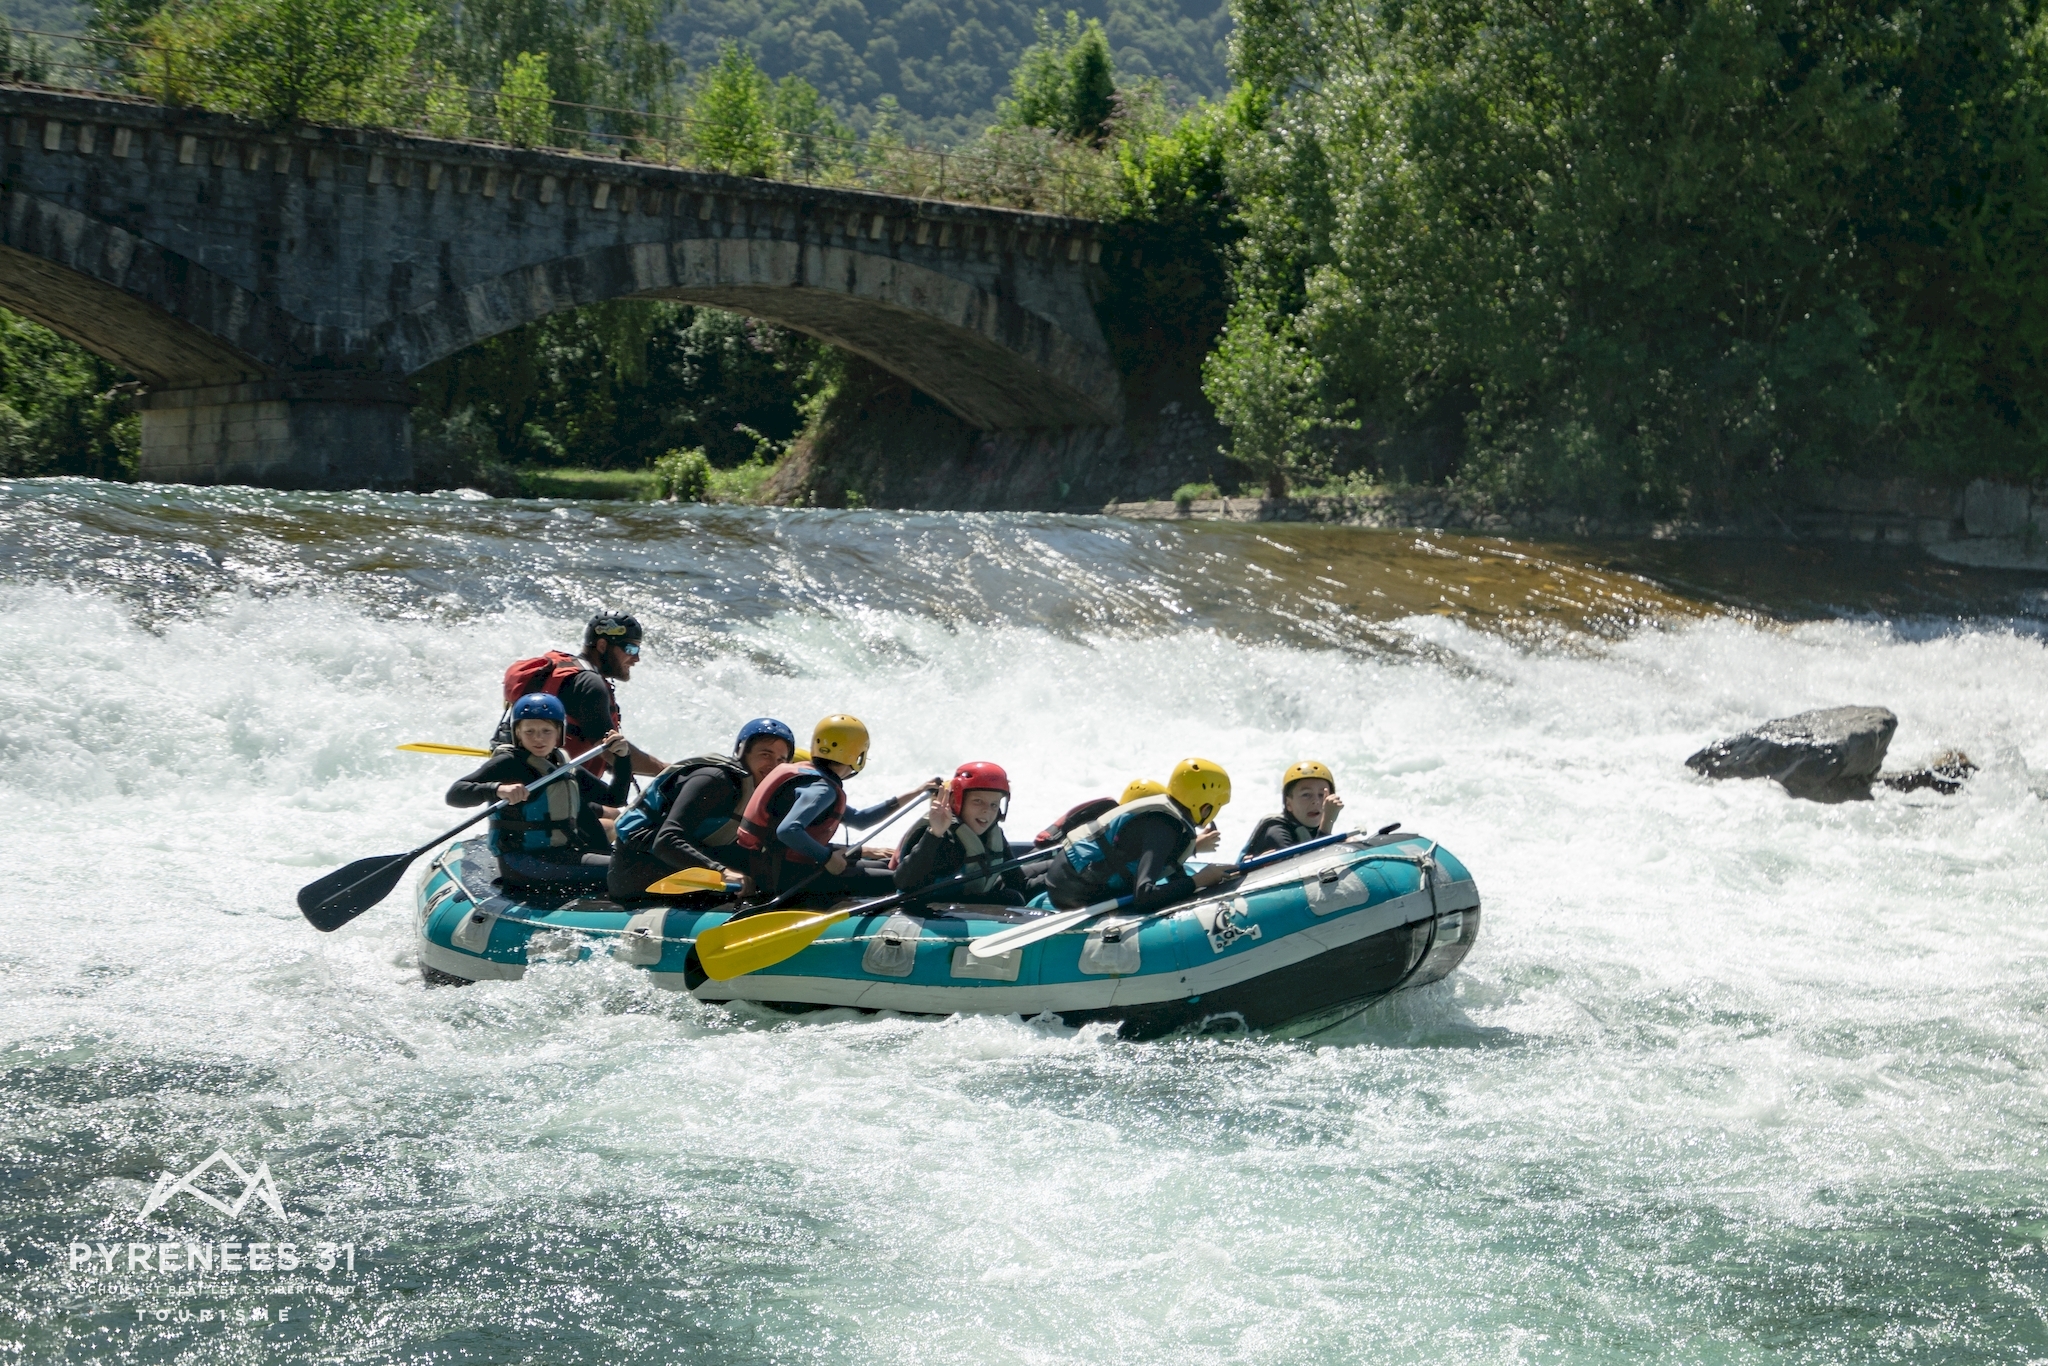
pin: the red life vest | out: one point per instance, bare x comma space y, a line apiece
547, 673
757, 826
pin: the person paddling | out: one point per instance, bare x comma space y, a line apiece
1139, 848
797, 809
689, 816
1309, 809
553, 839
963, 833
584, 683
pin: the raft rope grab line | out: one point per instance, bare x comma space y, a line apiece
1424, 861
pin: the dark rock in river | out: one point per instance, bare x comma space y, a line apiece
1944, 773
1830, 755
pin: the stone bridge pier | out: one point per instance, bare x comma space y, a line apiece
274, 289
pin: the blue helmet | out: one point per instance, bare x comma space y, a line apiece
760, 726
540, 706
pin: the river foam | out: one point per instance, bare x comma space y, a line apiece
1727, 1077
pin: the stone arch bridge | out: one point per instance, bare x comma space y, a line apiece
273, 289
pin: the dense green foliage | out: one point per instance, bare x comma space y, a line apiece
945, 64
1065, 82
615, 386
279, 61
60, 409
1650, 256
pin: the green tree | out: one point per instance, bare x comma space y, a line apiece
1264, 384
732, 116
282, 61
810, 139
617, 385
62, 409
1656, 256
1065, 82
447, 104
525, 102
599, 53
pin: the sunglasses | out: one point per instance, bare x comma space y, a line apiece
632, 651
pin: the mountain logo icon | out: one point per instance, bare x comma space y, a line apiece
255, 1185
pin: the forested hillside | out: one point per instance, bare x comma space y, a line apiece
947, 62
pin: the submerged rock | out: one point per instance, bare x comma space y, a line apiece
1831, 755
1944, 773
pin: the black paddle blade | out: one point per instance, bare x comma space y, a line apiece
346, 893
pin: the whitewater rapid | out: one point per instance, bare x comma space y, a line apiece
1728, 1077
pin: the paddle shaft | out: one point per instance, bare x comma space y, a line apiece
1017, 936
400, 860
725, 954
495, 807
809, 878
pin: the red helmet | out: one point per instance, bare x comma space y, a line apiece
979, 776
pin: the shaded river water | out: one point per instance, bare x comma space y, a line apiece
1727, 1078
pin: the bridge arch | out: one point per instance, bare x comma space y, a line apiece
994, 363
144, 307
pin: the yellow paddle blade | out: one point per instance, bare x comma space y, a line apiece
428, 747
689, 880
739, 947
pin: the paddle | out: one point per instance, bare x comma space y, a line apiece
689, 880
815, 874
1017, 936
761, 939
429, 747
346, 893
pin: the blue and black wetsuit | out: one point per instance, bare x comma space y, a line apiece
556, 839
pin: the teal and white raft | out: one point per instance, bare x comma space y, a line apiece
1293, 946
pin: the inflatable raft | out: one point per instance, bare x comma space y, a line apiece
1293, 947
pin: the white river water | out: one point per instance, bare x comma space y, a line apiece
1727, 1078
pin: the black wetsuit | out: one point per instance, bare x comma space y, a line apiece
1146, 854
924, 858
580, 863
1274, 833
703, 800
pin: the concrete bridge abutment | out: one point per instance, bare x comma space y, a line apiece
294, 435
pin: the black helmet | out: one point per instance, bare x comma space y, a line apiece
614, 628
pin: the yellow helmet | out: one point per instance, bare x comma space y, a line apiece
1307, 768
1200, 786
842, 739
800, 756
1140, 787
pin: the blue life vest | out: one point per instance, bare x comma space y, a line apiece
1090, 845
638, 826
548, 819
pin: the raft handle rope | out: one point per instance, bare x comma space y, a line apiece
1429, 866
1423, 861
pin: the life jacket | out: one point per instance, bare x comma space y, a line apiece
638, 825
547, 673
771, 802
980, 851
1285, 822
1076, 816
1086, 852
547, 820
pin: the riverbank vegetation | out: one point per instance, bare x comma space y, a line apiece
1646, 256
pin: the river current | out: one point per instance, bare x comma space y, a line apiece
1727, 1078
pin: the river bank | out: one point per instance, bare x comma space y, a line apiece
1984, 523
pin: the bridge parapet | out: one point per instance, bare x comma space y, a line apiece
273, 288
